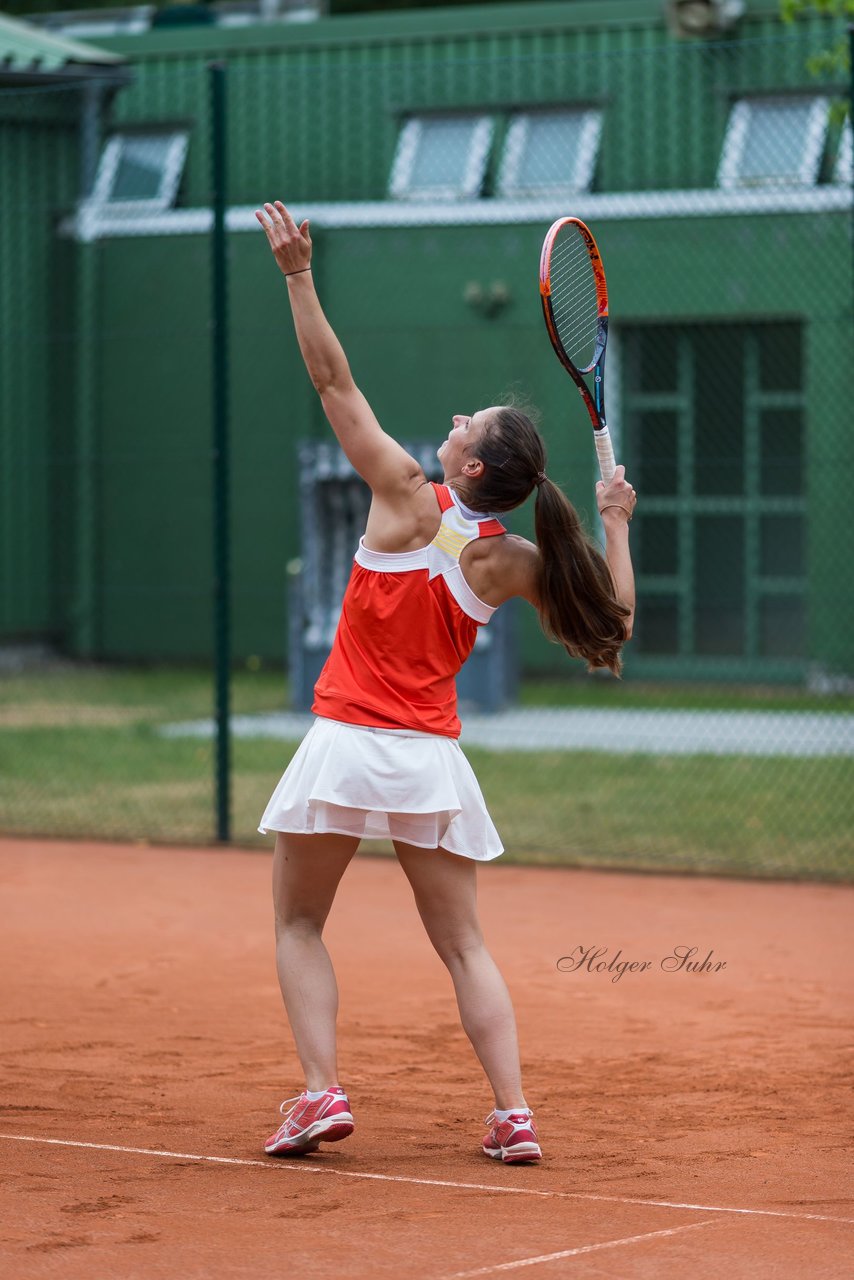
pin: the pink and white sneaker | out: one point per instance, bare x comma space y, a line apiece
513, 1140
308, 1123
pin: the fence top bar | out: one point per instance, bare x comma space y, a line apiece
102, 222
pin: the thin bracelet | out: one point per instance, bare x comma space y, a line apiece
301, 272
619, 506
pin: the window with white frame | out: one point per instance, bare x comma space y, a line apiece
441, 157
550, 152
777, 141
140, 170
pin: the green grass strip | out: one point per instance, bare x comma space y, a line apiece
753, 815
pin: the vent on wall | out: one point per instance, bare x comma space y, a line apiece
702, 17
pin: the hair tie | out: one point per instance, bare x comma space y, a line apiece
541, 476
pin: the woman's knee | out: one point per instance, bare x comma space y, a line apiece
292, 922
458, 947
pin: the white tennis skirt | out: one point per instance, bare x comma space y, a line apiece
380, 784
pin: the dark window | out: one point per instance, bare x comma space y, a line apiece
719, 585
714, 439
658, 545
657, 622
781, 546
780, 451
657, 359
779, 357
718, 413
657, 434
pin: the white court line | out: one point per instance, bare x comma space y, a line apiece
571, 1253
272, 1163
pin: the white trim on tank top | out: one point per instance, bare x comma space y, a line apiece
469, 512
409, 561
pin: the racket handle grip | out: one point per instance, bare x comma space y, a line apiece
605, 453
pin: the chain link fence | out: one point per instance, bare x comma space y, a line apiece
717, 179
107, 503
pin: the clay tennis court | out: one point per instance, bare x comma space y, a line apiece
692, 1123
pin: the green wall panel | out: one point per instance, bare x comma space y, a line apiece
273, 406
154, 456
38, 177
316, 109
155, 463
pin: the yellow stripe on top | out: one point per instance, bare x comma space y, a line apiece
449, 540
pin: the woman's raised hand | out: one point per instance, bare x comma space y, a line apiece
291, 244
615, 496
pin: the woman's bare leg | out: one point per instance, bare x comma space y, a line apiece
306, 873
445, 888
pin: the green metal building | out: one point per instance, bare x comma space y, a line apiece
431, 150
52, 92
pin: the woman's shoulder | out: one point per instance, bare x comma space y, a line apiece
519, 550
529, 569
515, 565
524, 556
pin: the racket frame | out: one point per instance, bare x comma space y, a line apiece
595, 401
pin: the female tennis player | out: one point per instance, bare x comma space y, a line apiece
382, 757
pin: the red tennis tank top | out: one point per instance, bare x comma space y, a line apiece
408, 622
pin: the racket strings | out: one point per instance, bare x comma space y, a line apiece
575, 302
575, 306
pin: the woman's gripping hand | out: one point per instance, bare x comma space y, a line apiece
616, 499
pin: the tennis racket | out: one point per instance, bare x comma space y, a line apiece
574, 295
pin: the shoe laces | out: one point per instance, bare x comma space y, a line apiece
292, 1103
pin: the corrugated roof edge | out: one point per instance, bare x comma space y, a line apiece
24, 47
389, 26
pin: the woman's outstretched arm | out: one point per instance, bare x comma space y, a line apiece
381, 462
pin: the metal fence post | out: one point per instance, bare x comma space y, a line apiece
219, 391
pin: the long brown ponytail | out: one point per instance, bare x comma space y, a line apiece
578, 605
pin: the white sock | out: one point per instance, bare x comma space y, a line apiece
314, 1094
505, 1115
